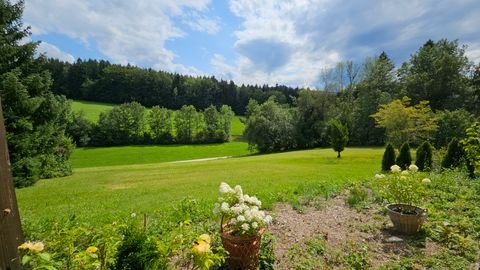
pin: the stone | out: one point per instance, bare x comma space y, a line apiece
393, 239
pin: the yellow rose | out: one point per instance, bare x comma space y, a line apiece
92, 249
201, 247
32, 246
205, 237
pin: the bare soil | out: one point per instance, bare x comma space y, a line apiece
340, 226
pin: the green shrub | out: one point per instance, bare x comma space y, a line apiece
454, 157
137, 251
388, 158
471, 145
404, 158
424, 157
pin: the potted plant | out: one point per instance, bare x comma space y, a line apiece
404, 190
242, 225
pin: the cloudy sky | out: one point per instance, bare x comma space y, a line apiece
248, 41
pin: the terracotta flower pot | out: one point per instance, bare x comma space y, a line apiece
409, 223
243, 250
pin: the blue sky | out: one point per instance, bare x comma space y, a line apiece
248, 41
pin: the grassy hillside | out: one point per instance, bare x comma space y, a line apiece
91, 109
129, 155
101, 194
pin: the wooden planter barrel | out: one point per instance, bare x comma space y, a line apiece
406, 223
243, 250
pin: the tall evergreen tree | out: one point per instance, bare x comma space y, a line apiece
437, 73
378, 87
35, 119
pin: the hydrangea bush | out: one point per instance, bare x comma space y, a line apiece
240, 213
403, 186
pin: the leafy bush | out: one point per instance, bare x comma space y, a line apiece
451, 124
388, 159
471, 145
454, 156
138, 251
424, 157
404, 158
270, 127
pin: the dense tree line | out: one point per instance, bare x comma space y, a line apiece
130, 123
434, 97
35, 118
104, 82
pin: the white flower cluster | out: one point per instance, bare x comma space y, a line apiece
241, 212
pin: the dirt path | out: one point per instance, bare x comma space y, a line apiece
341, 229
199, 159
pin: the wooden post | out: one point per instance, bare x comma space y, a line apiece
11, 235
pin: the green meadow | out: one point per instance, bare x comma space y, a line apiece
141, 154
98, 195
91, 109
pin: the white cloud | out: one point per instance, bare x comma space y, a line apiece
202, 23
291, 42
54, 52
125, 31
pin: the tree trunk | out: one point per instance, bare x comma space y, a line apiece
338, 155
10, 227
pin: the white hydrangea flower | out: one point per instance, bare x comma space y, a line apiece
395, 169
225, 207
238, 190
225, 188
268, 219
405, 173
240, 218
379, 176
413, 168
245, 227
254, 225
426, 181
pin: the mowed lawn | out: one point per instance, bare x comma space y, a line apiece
99, 195
128, 155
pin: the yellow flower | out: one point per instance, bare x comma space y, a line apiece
200, 247
32, 246
25, 246
205, 237
92, 249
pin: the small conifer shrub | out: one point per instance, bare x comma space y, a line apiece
454, 157
424, 157
388, 159
404, 158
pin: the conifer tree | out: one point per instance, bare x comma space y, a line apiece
404, 158
388, 159
35, 119
424, 157
454, 156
